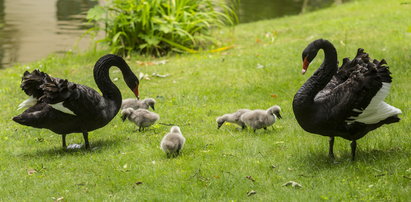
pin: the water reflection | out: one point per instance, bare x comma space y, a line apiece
30, 30
254, 10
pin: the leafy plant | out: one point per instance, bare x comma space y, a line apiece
159, 26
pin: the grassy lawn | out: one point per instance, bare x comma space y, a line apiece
266, 60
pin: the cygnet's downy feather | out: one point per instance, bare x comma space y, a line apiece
258, 119
173, 142
232, 118
138, 104
141, 117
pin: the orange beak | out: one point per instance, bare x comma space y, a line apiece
135, 91
305, 65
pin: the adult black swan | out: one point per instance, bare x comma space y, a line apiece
347, 102
65, 107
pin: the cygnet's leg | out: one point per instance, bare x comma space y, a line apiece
265, 128
243, 126
139, 129
63, 138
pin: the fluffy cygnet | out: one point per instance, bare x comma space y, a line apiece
138, 104
257, 119
141, 117
232, 118
173, 142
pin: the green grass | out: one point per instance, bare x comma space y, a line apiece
214, 163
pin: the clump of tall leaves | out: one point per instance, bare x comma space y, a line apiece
159, 26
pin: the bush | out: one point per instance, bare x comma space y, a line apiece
159, 26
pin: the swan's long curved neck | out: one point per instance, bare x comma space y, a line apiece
102, 78
323, 75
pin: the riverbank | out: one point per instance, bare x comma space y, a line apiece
261, 70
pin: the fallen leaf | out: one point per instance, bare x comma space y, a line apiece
250, 193
274, 95
273, 166
221, 49
74, 146
31, 171
143, 76
292, 184
160, 62
139, 183
250, 178
160, 75
59, 199
149, 63
260, 66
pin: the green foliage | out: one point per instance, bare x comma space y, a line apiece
159, 26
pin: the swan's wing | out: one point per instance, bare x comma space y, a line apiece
56, 90
343, 73
61, 94
351, 98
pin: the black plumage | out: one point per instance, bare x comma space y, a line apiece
345, 102
65, 107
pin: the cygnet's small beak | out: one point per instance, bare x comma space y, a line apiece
152, 107
123, 118
279, 115
219, 125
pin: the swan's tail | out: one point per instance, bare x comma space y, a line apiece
31, 82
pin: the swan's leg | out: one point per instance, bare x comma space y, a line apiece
63, 138
265, 128
331, 150
85, 136
353, 148
243, 126
139, 129
255, 130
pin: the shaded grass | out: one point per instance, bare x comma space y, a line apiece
214, 163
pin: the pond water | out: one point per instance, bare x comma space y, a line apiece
254, 10
31, 30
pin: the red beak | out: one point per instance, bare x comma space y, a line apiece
305, 65
135, 91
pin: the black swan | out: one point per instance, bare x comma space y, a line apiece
65, 107
347, 102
